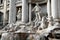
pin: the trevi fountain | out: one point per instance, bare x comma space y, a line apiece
29, 23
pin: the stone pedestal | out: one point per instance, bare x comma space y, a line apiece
12, 11
24, 11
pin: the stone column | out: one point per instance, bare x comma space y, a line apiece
24, 11
55, 13
12, 11
30, 11
5, 13
49, 8
0, 1
54, 8
59, 8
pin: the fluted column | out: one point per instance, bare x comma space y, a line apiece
30, 11
54, 8
5, 12
59, 8
24, 11
55, 4
0, 1
49, 8
12, 11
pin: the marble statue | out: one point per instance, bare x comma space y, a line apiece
50, 20
37, 11
39, 37
30, 37
19, 15
16, 37
21, 30
43, 23
11, 27
4, 36
48, 30
7, 36
36, 37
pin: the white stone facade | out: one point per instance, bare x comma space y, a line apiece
30, 16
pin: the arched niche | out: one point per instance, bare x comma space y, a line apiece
1, 18
7, 13
17, 9
1, 1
